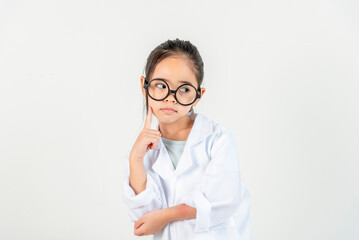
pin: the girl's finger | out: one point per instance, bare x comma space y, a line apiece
153, 135
139, 231
153, 143
151, 130
148, 118
138, 224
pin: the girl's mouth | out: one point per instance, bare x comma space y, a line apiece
168, 110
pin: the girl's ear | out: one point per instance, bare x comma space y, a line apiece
203, 90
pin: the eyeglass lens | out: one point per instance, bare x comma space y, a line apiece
158, 89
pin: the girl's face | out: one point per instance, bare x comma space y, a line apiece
173, 70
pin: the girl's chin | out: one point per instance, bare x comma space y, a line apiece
168, 118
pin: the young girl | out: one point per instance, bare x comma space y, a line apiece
182, 179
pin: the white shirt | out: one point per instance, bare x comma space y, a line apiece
207, 178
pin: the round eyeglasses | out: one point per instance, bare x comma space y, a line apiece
158, 90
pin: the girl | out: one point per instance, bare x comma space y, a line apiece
182, 179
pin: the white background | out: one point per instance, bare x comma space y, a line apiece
282, 75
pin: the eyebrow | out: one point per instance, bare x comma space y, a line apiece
178, 81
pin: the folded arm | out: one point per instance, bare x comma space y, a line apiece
155, 221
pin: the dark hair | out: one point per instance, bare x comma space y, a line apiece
175, 47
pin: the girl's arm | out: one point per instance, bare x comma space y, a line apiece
147, 139
138, 176
179, 212
141, 195
155, 221
140, 192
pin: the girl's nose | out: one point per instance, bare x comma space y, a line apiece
171, 97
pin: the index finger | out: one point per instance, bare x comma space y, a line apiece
148, 118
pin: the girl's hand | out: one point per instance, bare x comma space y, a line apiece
147, 139
151, 223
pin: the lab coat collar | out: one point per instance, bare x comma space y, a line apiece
202, 127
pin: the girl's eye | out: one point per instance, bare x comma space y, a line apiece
160, 85
184, 89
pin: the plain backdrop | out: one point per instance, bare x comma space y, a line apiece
282, 75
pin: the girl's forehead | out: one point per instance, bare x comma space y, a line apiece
175, 70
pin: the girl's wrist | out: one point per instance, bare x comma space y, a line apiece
135, 158
168, 215
179, 212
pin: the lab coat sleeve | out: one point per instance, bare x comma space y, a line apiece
218, 195
146, 201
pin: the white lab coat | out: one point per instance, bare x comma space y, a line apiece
207, 178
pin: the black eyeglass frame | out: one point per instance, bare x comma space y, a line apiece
198, 95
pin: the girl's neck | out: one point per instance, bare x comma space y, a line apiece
177, 131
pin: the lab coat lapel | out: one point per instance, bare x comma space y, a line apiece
201, 128
163, 165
